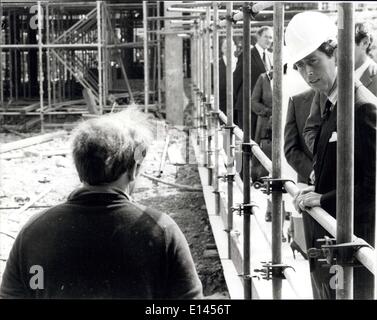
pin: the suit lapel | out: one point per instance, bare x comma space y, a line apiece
257, 60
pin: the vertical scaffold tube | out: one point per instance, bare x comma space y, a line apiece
40, 55
229, 111
100, 67
204, 94
277, 104
345, 144
246, 152
208, 105
216, 106
146, 62
199, 81
1, 64
48, 57
159, 98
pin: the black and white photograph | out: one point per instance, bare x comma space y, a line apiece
188, 154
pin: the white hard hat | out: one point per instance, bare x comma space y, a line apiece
306, 32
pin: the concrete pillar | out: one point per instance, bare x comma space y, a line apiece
174, 90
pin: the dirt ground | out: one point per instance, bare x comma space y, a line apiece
29, 174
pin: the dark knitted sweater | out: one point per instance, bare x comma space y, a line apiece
99, 244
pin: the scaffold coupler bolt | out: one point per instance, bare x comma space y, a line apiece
246, 208
227, 177
271, 271
269, 185
332, 253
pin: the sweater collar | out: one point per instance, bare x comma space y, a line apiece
98, 194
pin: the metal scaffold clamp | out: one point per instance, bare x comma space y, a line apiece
227, 177
270, 271
249, 10
246, 208
269, 185
248, 146
226, 127
215, 114
230, 17
331, 253
249, 276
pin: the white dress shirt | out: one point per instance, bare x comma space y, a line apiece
261, 51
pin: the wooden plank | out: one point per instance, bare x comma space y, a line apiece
30, 141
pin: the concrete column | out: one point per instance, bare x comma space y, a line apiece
174, 90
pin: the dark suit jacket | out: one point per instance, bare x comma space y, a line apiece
256, 68
222, 85
365, 159
368, 79
296, 152
261, 105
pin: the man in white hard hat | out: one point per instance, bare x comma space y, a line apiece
365, 71
311, 45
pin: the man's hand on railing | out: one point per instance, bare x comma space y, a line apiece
305, 198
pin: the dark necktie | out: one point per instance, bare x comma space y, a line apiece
264, 57
328, 109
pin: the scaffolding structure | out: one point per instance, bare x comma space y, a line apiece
213, 159
52, 54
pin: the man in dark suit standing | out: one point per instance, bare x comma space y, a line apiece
304, 32
222, 74
260, 62
296, 152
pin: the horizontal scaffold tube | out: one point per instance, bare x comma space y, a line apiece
366, 255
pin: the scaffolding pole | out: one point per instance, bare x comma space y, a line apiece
10, 59
106, 63
277, 104
1, 62
345, 144
230, 125
208, 105
99, 35
246, 154
216, 119
48, 57
15, 60
40, 54
146, 62
159, 100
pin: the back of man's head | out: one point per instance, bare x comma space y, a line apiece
363, 32
106, 147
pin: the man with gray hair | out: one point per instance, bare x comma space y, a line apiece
99, 243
